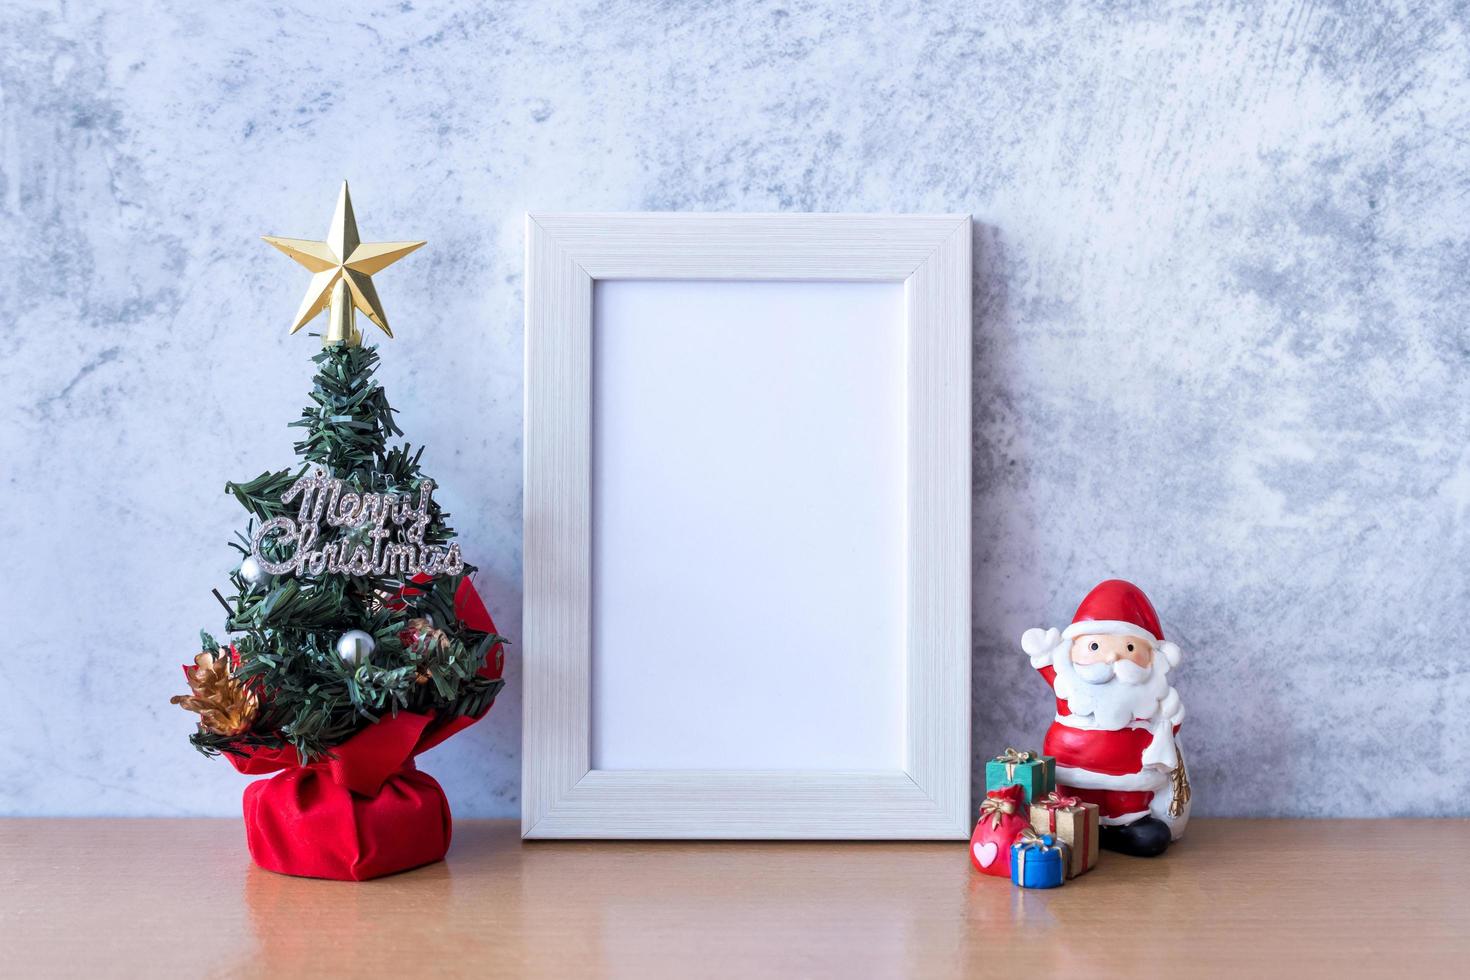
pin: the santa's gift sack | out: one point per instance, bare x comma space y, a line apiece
1002, 818
1035, 773
1073, 822
1038, 860
302, 822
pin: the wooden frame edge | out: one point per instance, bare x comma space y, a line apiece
565, 254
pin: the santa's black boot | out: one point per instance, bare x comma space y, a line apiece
1144, 837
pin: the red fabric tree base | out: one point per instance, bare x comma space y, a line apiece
301, 823
366, 811
364, 814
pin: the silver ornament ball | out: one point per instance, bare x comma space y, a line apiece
355, 646
252, 573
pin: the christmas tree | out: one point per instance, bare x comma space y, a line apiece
347, 605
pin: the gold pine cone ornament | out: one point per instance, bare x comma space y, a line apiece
224, 704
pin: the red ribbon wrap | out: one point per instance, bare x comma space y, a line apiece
367, 811
1057, 800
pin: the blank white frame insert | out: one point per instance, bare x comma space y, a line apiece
741, 432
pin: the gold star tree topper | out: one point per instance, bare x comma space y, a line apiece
342, 275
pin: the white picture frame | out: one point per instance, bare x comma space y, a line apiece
924, 793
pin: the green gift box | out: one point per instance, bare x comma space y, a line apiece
1035, 773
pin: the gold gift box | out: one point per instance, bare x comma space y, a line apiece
1069, 819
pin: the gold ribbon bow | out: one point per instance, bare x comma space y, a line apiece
995, 809
1013, 758
1029, 836
1056, 801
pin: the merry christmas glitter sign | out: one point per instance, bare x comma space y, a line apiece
381, 534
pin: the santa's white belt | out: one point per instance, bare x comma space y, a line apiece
1150, 778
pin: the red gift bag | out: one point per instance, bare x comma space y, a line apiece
365, 811
1002, 818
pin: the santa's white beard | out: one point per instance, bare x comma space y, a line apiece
1112, 694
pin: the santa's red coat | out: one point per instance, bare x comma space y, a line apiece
1102, 767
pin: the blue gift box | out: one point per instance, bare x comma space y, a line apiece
1038, 860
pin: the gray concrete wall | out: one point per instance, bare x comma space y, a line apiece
1219, 328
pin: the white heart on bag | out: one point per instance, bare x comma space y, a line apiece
985, 853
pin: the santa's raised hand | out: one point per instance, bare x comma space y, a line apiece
1039, 645
1117, 716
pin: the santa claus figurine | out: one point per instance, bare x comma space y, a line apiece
1117, 722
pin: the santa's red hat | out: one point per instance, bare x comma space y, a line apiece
1116, 607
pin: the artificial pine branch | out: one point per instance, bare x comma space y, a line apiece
262, 495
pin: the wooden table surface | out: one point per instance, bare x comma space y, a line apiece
180, 898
